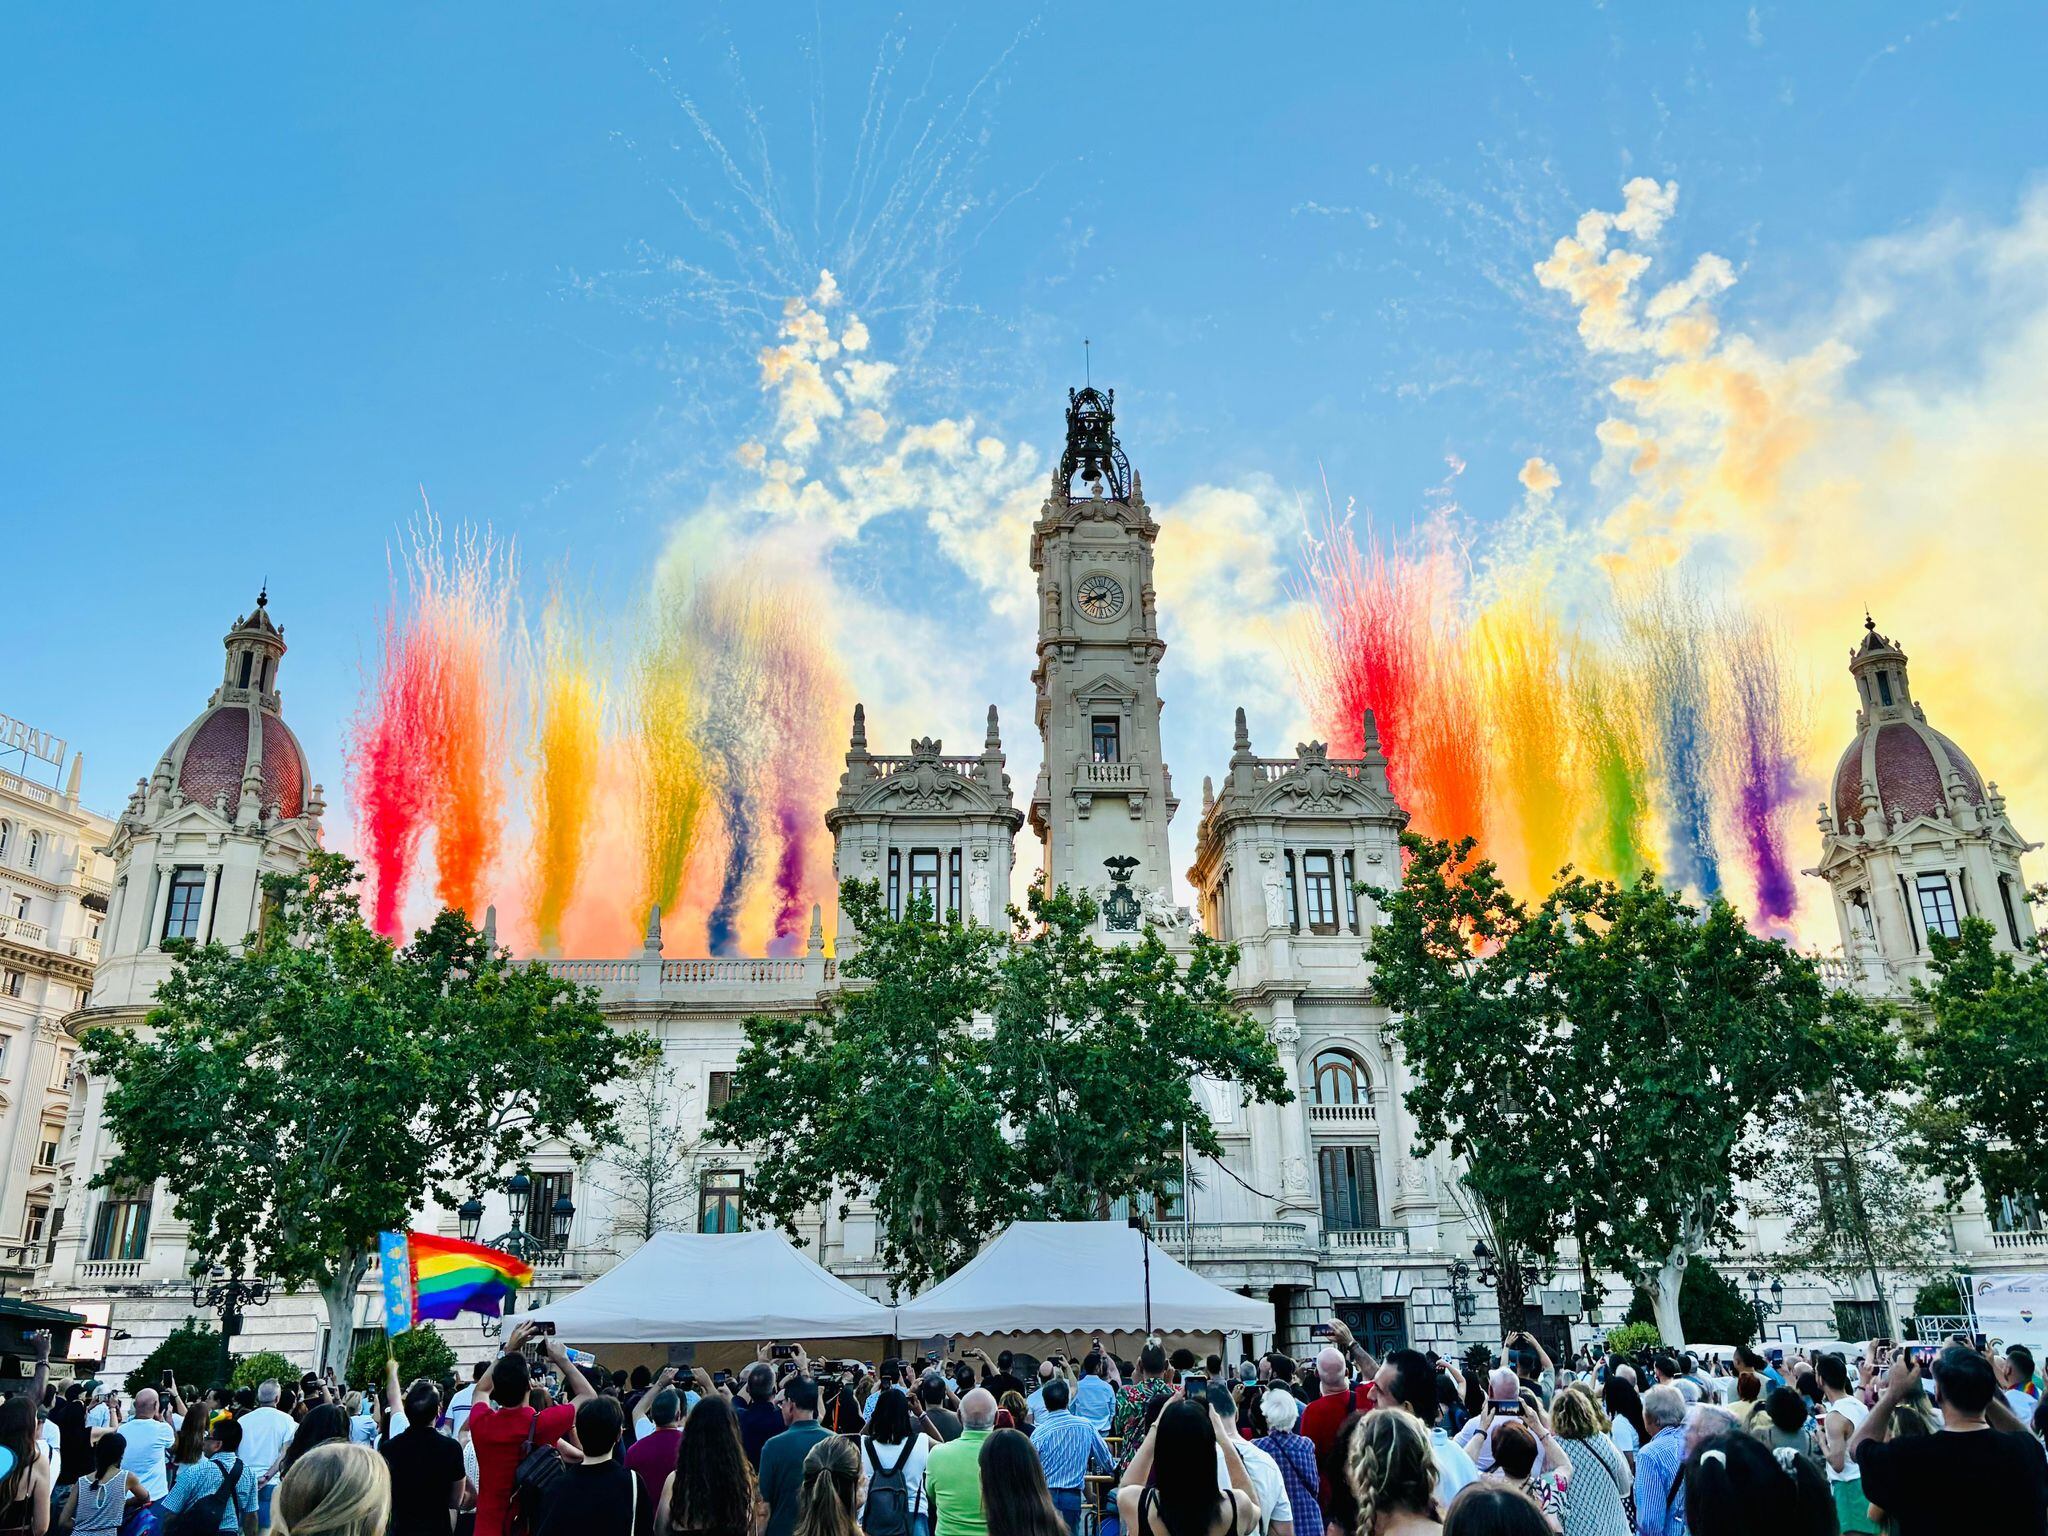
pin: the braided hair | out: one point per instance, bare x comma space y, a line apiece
1392, 1469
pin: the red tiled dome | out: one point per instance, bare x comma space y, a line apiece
1909, 761
219, 750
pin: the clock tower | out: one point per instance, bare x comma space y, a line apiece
1103, 797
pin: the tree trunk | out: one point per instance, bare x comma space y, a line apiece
339, 1292
1670, 1276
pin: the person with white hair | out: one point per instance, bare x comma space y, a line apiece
1476, 1438
1660, 1464
266, 1431
1295, 1455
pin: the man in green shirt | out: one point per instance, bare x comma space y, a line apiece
782, 1458
952, 1473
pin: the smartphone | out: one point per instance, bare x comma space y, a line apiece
1193, 1382
720, 1378
782, 1351
1321, 1331
1506, 1407
543, 1330
169, 1379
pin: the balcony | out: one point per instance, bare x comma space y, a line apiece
1367, 1240
24, 930
110, 1269
567, 1263
1107, 776
87, 950
1208, 1237
2020, 1242
1341, 1115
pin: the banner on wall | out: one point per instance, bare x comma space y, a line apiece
2011, 1304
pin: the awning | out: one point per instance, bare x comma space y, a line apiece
1077, 1277
690, 1287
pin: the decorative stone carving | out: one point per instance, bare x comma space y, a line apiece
977, 893
1294, 1175
1276, 901
1286, 1034
1084, 802
1160, 911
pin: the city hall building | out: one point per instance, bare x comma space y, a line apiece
1320, 1204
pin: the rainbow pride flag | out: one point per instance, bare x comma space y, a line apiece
428, 1278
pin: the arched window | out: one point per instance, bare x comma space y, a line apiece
6, 836
35, 847
1340, 1078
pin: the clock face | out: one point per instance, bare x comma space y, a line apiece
1099, 597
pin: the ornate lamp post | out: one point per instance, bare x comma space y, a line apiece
519, 1241
1464, 1300
1764, 1310
229, 1295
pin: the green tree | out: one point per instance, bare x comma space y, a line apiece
1711, 1308
1977, 1041
1633, 1336
1603, 1061
191, 1353
1937, 1298
646, 1169
420, 1352
1854, 1207
969, 1078
304, 1093
265, 1365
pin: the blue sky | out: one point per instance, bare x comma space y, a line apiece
270, 270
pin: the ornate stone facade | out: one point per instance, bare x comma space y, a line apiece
1318, 1204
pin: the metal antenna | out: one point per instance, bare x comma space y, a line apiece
1087, 364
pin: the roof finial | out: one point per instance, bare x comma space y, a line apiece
1087, 363
263, 594
1868, 622
994, 740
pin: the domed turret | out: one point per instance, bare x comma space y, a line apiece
1898, 767
239, 757
1914, 838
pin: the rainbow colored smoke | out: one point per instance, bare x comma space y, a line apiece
1557, 742
695, 783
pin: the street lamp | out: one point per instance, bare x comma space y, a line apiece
562, 1213
1464, 1301
228, 1295
1764, 1309
520, 1242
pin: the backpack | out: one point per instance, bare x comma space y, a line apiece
540, 1468
202, 1517
888, 1506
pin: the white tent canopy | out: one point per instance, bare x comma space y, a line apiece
683, 1287
1076, 1277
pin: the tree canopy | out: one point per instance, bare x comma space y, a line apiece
968, 1077
1977, 1042
299, 1095
1605, 1061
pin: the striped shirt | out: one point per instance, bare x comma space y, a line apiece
1067, 1447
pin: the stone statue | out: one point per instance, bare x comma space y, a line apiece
1276, 901
977, 895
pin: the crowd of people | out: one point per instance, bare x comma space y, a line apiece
1904, 1441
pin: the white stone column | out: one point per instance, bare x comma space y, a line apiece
153, 938
1297, 1189
206, 901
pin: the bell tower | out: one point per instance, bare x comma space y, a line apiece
1103, 797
